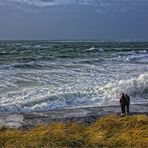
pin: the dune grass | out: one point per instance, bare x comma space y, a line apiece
109, 131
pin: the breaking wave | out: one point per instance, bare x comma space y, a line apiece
137, 88
54, 102
134, 56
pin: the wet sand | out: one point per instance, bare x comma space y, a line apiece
81, 115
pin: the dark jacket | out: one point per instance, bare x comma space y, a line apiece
127, 99
123, 100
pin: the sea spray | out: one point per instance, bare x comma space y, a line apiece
135, 87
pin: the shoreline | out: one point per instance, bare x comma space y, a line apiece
86, 115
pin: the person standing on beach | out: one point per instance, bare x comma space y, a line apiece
127, 102
122, 104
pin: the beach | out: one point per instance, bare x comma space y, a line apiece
78, 115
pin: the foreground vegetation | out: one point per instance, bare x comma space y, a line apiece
109, 131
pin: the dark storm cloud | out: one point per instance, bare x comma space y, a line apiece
73, 19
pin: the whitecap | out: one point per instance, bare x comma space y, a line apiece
137, 88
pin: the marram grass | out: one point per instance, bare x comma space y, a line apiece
109, 131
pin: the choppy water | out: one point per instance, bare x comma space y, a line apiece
42, 75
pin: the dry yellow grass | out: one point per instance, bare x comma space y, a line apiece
109, 131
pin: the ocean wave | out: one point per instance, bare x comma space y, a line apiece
143, 51
35, 46
44, 100
136, 56
137, 88
96, 49
39, 76
60, 101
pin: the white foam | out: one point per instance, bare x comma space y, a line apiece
96, 49
91, 49
42, 100
143, 51
100, 49
137, 88
138, 56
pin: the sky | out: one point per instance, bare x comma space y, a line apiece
74, 20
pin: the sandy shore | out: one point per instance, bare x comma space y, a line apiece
82, 115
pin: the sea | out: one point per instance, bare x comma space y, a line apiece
54, 75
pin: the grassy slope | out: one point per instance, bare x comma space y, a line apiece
109, 131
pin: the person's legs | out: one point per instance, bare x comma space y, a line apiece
123, 108
127, 108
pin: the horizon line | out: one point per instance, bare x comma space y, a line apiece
78, 40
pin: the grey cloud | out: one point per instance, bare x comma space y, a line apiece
101, 6
39, 3
44, 3
121, 6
